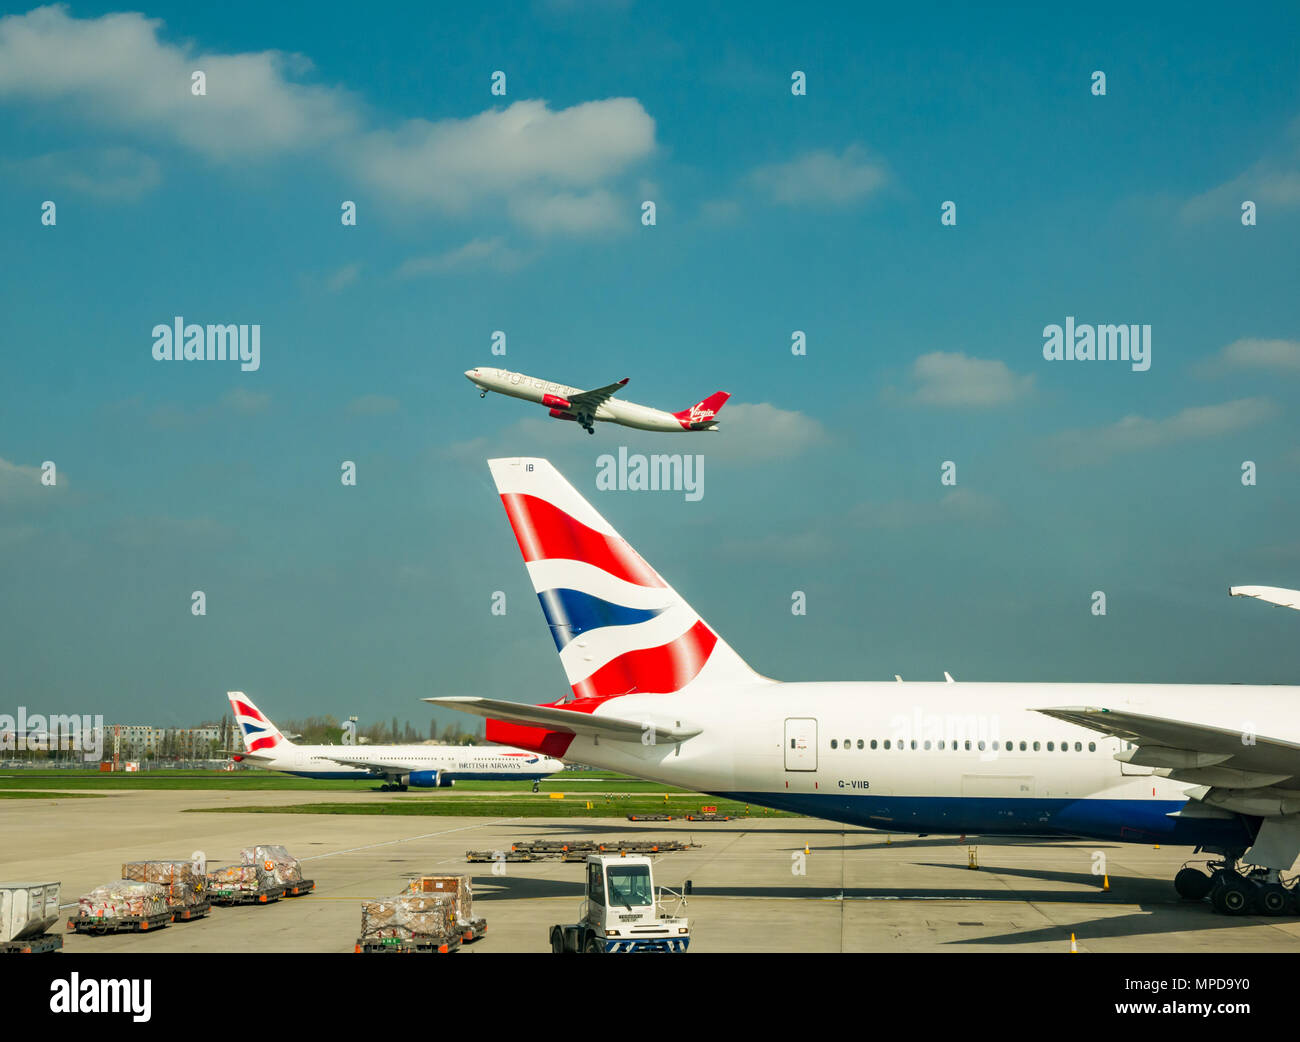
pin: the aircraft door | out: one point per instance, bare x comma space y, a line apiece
801, 744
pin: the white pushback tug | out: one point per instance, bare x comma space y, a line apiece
623, 912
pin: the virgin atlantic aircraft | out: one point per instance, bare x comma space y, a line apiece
586, 407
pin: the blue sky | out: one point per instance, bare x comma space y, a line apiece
522, 213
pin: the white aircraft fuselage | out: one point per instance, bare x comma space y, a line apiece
566, 403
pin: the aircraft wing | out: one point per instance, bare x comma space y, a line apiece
361, 761
590, 401
1273, 594
569, 721
1219, 758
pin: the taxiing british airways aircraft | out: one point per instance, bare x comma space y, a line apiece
657, 693
586, 407
425, 766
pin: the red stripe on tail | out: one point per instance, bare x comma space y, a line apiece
545, 532
669, 667
535, 739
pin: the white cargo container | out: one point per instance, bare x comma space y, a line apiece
27, 909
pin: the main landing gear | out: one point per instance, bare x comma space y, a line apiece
482, 394
386, 787
1235, 889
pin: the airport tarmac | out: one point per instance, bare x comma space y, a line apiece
856, 892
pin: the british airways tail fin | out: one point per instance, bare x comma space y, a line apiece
618, 626
260, 735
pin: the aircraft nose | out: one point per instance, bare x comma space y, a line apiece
471, 373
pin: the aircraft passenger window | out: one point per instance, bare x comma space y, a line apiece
1051, 747
1092, 747
940, 744
927, 745
968, 745
1035, 747
833, 743
792, 743
848, 743
873, 743
995, 746
913, 743
1022, 747
886, 743
981, 746
1078, 747
859, 743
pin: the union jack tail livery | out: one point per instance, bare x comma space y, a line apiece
259, 733
618, 626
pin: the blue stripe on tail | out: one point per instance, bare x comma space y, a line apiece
572, 612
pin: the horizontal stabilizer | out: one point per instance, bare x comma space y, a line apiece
568, 721
1273, 594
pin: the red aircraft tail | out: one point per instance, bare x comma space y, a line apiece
702, 416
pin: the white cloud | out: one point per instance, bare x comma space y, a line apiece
550, 170
105, 173
1266, 184
1271, 183
373, 405
822, 177
1279, 356
960, 504
20, 484
476, 255
242, 400
760, 433
536, 158
571, 213
1134, 433
946, 378
344, 277
115, 70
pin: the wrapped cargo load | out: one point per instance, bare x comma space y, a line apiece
275, 861
27, 909
457, 886
238, 877
183, 882
409, 917
125, 899
462, 891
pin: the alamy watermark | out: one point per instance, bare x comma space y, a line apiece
37, 732
657, 473
191, 342
1085, 343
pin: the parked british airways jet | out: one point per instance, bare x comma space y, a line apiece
657, 693
425, 766
586, 407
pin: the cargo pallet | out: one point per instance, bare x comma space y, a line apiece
246, 897
46, 942
305, 886
472, 930
577, 850
418, 943
98, 924
188, 913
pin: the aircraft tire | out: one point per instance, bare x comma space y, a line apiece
1232, 895
1192, 884
1274, 899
